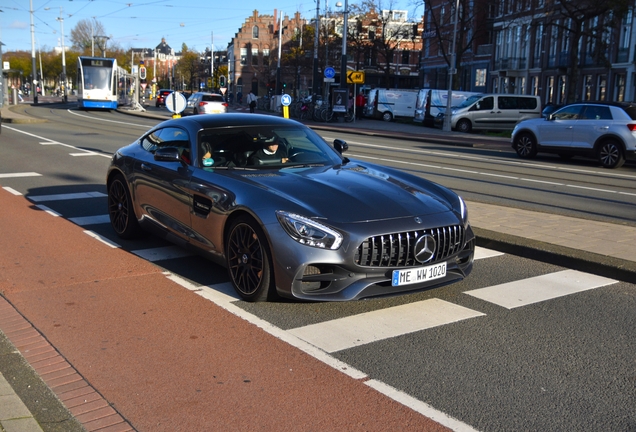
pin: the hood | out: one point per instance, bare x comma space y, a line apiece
352, 193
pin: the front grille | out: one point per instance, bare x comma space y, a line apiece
396, 250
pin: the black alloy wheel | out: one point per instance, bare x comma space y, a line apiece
610, 154
120, 209
526, 146
248, 260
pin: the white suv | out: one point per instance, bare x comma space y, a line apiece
605, 131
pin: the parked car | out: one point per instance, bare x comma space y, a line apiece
161, 97
605, 131
272, 222
206, 103
492, 112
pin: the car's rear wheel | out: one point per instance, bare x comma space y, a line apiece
120, 209
525, 146
248, 260
387, 116
610, 154
464, 125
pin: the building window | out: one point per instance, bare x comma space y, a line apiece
243, 56
265, 56
587, 87
550, 87
562, 81
480, 77
620, 88
406, 56
602, 88
255, 32
535, 86
254, 56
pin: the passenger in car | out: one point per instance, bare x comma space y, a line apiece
271, 152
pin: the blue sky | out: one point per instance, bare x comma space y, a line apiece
142, 24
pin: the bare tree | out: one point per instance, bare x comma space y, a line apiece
88, 33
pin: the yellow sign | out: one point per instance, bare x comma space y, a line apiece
355, 77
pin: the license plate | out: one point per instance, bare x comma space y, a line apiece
418, 275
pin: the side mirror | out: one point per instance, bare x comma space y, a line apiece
167, 154
341, 146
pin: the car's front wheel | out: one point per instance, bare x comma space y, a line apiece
610, 154
525, 146
464, 125
387, 116
248, 260
120, 209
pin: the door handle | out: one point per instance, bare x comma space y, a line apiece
145, 167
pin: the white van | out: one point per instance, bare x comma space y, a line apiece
430, 103
389, 104
493, 112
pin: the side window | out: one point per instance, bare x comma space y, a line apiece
592, 112
568, 113
507, 102
151, 141
528, 103
486, 103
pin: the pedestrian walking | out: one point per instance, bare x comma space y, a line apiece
251, 101
360, 103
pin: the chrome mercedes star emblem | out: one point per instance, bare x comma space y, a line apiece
425, 248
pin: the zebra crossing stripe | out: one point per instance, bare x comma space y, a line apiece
22, 174
540, 288
162, 253
356, 330
68, 196
90, 220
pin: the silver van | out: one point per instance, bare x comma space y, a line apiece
430, 103
389, 104
493, 112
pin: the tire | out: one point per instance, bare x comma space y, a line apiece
526, 146
248, 260
120, 209
387, 116
464, 125
610, 154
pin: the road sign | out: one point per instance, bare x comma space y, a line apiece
176, 102
286, 100
355, 77
330, 72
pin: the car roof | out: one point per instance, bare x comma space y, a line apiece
230, 120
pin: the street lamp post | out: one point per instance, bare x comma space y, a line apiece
64, 90
34, 70
1, 72
314, 89
343, 65
452, 69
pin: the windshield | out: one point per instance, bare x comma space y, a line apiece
266, 147
468, 102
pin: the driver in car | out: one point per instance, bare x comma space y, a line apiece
270, 152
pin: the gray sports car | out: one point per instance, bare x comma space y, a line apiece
286, 213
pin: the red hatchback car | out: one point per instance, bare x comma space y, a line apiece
161, 97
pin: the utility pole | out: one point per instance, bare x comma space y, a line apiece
314, 90
34, 70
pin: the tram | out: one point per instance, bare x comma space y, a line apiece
97, 82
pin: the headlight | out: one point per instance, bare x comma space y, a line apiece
309, 232
463, 211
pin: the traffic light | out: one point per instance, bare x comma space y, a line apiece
222, 81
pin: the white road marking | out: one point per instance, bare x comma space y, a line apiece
48, 210
90, 220
47, 141
102, 239
419, 406
22, 174
68, 196
162, 253
356, 330
110, 121
11, 190
541, 288
481, 253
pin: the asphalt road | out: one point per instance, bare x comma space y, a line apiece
564, 363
